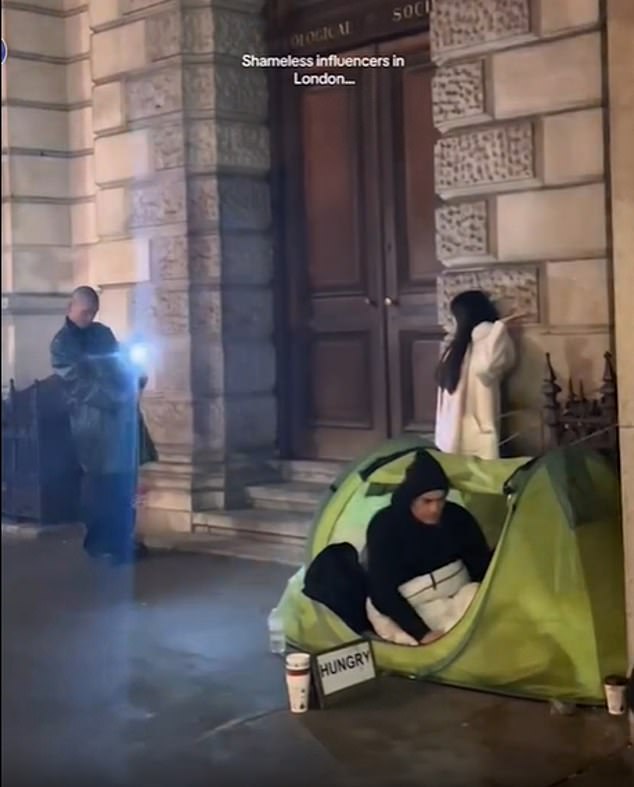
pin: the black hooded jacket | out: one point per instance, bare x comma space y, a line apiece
400, 548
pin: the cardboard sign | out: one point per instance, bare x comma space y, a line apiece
344, 672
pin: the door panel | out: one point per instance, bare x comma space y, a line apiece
411, 266
331, 182
339, 350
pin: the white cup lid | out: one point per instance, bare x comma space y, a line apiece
298, 661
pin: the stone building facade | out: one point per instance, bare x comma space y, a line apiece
136, 155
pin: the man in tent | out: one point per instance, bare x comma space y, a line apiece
426, 557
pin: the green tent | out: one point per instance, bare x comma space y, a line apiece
548, 621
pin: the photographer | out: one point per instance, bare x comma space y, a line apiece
102, 392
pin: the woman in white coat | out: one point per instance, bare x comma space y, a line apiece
469, 377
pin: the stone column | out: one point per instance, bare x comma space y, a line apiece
47, 191
620, 23
518, 100
184, 253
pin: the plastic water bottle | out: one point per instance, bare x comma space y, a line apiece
277, 640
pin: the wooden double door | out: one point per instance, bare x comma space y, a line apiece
363, 336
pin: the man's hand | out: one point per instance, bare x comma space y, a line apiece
430, 637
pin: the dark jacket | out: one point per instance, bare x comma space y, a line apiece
101, 391
401, 548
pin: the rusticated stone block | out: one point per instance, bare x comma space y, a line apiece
168, 258
245, 203
168, 420
203, 208
202, 153
462, 232
552, 224
247, 258
247, 313
157, 203
249, 366
206, 311
241, 93
251, 422
465, 162
199, 87
164, 32
458, 94
557, 75
205, 258
512, 289
154, 94
237, 33
208, 364
211, 144
161, 312
168, 143
198, 30
456, 26
173, 369
244, 146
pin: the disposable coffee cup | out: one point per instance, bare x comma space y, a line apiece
615, 688
298, 681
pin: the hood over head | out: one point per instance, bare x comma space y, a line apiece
423, 475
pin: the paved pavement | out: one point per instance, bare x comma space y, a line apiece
160, 675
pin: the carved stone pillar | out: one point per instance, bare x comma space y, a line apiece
182, 162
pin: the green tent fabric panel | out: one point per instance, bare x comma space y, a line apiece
468, 474
532, 636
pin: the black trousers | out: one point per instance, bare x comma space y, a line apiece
109, 514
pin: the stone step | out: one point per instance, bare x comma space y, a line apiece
252, 547
310, 471
283, 524
289, 496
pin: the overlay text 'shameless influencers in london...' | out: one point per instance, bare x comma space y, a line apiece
322, 61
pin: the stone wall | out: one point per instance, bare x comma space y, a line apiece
183, 256
47, 182
518, 100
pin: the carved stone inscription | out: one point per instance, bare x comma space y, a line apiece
468, 23
458, 93
512, 289
479, 158
462, 231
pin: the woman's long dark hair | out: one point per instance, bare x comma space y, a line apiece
469, 309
